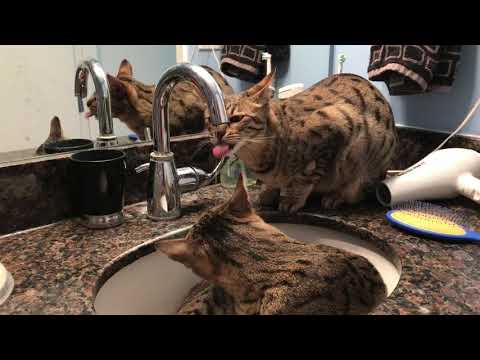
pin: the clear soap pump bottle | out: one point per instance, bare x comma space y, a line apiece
233, 166
231, 171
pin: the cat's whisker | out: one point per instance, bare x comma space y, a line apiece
237, 147
240, 144
259, 140
249, 152
231, 139
200, 147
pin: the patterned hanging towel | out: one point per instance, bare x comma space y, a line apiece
245, 62
414, 69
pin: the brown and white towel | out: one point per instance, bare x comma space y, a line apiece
414, 69
245, 62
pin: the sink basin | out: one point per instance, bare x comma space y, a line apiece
156, 285
6, 284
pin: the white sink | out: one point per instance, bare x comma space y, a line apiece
6, 284
156, 285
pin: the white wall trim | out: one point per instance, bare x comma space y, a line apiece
182, 53
80, 53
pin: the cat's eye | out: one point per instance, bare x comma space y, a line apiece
236, 118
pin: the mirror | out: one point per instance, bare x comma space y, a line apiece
39, 106
37, 93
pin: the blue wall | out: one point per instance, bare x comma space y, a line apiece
308, 65
206, 57
148, 61
433, 111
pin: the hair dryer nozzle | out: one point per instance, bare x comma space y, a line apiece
444, 174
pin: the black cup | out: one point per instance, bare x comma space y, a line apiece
68, 146
97, 186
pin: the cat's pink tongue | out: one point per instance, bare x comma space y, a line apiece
88, 114
220, 151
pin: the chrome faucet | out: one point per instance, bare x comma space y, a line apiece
165, 182
104, 111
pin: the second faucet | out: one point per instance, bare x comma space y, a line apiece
165, 182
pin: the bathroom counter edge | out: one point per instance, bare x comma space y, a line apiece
56, 268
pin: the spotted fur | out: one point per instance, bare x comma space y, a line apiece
335, 138
251, 268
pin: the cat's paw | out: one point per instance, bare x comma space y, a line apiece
290, 205
331, 202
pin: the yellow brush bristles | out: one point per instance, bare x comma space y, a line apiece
430, 217
428, 222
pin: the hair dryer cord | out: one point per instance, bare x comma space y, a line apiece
460, 127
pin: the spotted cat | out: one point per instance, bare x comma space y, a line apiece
335, 138
132, 101
252, 268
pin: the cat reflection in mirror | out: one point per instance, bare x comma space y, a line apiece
132, 101
56, 134
335, 138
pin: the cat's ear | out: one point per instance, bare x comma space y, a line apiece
117, 88
239, 204
132, 94
121, 90
262, 91
125, 71
182, 250
176, 249
56, 128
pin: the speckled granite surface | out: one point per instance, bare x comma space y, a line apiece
36, 193
30, 154
56, 268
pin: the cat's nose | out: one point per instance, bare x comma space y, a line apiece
221, 130
90, 101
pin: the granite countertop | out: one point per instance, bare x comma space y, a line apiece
25, 154
57, 268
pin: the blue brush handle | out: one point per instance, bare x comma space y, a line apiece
472, 235
469, 235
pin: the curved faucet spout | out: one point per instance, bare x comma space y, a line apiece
206, 85
92, 67
165, 183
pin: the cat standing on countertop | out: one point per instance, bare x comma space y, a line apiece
132, 102
335, 138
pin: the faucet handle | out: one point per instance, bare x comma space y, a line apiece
142, 168
191, 178
148, 134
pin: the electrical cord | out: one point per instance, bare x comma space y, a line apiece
457, 130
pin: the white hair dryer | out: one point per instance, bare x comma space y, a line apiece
443, 174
